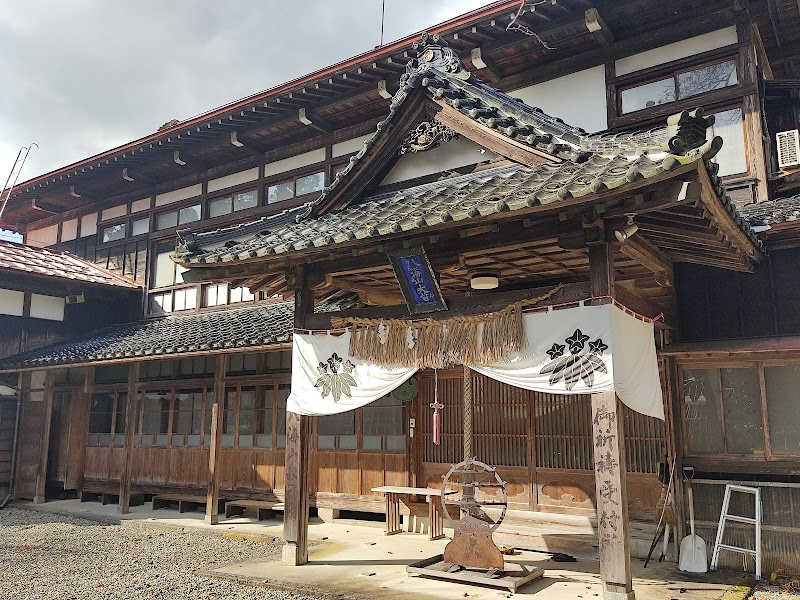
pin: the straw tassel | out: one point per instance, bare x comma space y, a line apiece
474, 339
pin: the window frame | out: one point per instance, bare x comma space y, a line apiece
760, 364
292, 176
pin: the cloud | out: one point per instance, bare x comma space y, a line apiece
85, 76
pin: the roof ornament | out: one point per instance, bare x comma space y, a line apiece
686, 136
426, 136
434, 53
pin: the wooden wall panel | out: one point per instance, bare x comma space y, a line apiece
371, 467
280, 469
326, 468
30, 446
264, 469
347, 480
96, 465
244, 468
395, 470
227, 461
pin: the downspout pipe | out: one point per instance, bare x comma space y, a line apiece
12, 478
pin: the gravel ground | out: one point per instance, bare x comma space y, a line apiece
45, 556
781, 589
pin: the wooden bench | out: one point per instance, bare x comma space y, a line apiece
264, 509
185, 502
107, 497
393, 496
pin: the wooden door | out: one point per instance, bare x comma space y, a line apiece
31, 435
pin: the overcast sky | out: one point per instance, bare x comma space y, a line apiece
84, 76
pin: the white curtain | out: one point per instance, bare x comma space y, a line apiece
327, 381
578, 350
584, 350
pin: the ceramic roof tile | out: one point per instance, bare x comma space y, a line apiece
248, 327
40, 261
759, 214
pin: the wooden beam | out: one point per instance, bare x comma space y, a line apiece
214, 453
366, 293
41, 470
650, 257
306, 118
751, 108
491, 139
761, 53
457, 306
608, 438
484, 66
599, 28
130, 422
298, 447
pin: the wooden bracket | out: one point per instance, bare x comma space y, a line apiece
306, 118
599, 28
484, 66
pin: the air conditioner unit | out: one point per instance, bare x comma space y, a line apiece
788, 149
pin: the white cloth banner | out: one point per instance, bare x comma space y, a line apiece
327, 381
585, 350
580, 350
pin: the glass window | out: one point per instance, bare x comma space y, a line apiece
681, 85
701, 396
732, 158
648, 95
101, 413
166, 271
222, 206
707, 78
245, 200
280, 192
114, 232
161, 303
185, 299
189, 214
158, 369
166, 220
215, 294
186, 420
742, 403
242, 363
117, 373
310, 184
337, 431
155, 419
283, 394
140, 226
732, 394
383, 425
783, 397
119, 419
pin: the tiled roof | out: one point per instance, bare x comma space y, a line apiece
497, 190
583, 164
238, 328
39, 261
773, 212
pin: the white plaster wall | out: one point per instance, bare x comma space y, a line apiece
11, 302
114, 212
294, 162
140, 205
349, 146
69, 230
47, 236
233, 179
178, 195
689, 47
456, 153
88, 224
578, 98
47, 307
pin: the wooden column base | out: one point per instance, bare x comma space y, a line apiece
38, 500
613, 595
293, 556
212, 519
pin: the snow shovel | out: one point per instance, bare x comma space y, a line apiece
693, 547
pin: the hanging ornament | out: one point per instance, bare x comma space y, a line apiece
437, 425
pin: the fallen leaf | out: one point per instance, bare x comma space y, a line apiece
24, 549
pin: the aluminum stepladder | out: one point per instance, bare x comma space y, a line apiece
724, 517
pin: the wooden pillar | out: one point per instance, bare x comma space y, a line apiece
130, 423
212, 498
751, 106
609, 457
295, 515
41, 471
